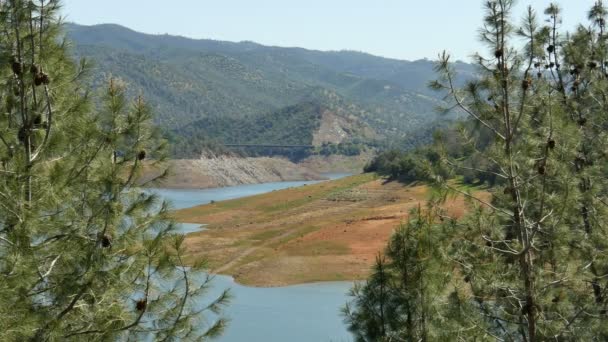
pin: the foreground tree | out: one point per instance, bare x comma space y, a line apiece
401, 298
84, 254
535, 257
530, 261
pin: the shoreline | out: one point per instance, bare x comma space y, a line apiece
211, 172
329, 231
311, 283
324, 232
320, 179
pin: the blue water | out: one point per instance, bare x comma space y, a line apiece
190, 198
187, 228
300, 313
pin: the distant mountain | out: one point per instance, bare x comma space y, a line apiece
319, 119
231, 92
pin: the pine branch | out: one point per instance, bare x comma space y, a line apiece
475, 169
444, 64
487, 204
48, 127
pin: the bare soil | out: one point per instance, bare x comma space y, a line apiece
323, 232
221, 171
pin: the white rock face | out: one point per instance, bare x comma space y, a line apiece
211, 171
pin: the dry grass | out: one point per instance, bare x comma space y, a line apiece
323, 232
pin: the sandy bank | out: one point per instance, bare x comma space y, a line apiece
213, 171
331, 231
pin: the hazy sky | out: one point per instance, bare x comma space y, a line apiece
405, 29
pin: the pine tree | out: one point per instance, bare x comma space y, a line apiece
400, 299
84, 254
534, 257
531, 262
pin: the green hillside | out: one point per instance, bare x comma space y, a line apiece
321, 118
292, 125
206, 89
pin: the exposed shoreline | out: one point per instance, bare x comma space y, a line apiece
316, 282
325, 232
224, 171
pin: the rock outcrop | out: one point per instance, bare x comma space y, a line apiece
215, 171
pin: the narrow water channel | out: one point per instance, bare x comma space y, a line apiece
299, 313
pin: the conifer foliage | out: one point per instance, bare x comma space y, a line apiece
535, 255
396, 303
530, 261
84, 254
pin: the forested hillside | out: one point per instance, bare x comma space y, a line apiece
201, 87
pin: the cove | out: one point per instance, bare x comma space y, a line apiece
298, 313
187, 198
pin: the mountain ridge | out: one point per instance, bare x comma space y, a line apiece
188, 81
72, 27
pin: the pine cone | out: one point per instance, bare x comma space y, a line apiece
141, 304
38, 80
106, 241
582, 121
45, 79
541, 170
37, 120
17, 67
21, 135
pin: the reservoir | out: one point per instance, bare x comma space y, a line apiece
190, 198
298, 313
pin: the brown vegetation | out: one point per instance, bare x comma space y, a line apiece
323, 232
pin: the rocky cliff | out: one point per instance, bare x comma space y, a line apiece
213, 171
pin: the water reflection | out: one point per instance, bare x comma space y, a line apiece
187, 198
300, 313
187, 228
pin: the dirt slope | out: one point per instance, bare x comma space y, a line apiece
221, 171
322, 232
337, 127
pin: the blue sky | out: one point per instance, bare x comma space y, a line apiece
404, 29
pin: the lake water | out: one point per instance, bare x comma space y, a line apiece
299, 313
190, 198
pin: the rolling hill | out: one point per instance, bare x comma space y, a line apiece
249, 93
